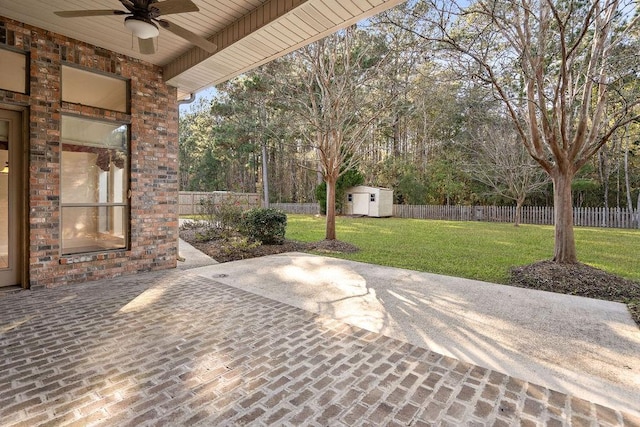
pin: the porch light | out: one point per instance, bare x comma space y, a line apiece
6, 168
141, 29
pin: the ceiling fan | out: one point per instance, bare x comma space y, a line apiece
141, 19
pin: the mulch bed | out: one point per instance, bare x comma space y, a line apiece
225, 250
581, 280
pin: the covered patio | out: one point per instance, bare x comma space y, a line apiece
118, 336
184, 348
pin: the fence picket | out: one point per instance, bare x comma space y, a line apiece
540, 215
189, 201
297, 208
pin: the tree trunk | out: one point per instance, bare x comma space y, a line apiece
565, 244
265, 175
330, 233
396, 136
638, 213
603, 162
519, 203
627, 184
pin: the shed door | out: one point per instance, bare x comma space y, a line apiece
361, 204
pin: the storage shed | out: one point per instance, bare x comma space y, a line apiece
369, 201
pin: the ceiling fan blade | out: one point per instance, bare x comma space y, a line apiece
195, 39
168, 7
147, 46
81, 13
127, 3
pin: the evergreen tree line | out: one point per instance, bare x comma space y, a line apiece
428, 126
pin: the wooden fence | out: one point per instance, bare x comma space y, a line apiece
189, 201
297, 208
583, 217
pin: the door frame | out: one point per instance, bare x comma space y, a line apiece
23, 191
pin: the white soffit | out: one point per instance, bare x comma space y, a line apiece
248, 33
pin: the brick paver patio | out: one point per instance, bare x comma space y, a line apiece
173, 348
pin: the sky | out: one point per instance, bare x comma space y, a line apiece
203, 94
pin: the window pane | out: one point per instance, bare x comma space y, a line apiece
93, 133
13, 76
93, 162
87, 88
94, 165
93, 228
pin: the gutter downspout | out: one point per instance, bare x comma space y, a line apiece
189, 100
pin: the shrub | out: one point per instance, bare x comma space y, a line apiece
239, 245
224, 215
264, 225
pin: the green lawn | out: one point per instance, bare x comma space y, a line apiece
475, 250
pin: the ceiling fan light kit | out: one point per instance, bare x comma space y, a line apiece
143, 21
140, 28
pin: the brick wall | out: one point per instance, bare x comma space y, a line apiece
153, 163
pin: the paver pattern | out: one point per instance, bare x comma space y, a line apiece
173, 348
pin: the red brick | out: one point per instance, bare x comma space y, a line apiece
154, 147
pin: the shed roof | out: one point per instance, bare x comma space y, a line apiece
370, 187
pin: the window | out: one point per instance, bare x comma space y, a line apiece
13, 76
349, 197
372, 197
94, 185
97, 90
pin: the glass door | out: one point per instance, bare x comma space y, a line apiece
10, 223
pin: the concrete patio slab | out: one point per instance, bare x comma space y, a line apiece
192, 257
580, 346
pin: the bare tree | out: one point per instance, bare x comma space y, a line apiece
557, 66
500, 162
332, 94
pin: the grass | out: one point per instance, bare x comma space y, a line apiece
474, 250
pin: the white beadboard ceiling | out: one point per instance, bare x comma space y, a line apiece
248, 32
